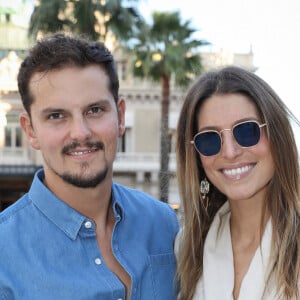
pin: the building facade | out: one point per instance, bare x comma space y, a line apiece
137, 162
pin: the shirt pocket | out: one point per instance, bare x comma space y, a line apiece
163, 267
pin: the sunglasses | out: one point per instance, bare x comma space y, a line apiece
209, 142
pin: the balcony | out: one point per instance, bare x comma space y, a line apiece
141, 163
16, 156
138, 163
137, 170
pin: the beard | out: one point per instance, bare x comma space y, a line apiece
80, 181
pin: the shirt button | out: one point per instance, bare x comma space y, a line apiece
88, 224
98, 261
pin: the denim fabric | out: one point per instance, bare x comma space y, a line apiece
49, 250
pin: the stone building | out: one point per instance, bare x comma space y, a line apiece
137, 162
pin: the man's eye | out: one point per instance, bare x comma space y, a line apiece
56, 115
95, 110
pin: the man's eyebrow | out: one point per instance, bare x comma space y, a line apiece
58, 110
100, 102
50, 110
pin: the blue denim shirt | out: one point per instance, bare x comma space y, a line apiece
48, 250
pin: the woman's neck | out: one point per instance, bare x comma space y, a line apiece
248, 219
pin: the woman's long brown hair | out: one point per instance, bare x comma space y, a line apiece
283, 197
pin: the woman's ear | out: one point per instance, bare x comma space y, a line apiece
26, 124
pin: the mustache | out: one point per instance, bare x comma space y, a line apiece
89, 144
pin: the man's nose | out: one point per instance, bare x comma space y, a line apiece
80, 129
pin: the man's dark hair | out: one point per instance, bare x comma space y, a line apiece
61, 50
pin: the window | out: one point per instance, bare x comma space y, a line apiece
13, 136
122, 143
125, 142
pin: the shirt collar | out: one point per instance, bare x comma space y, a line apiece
61, 214
117, 202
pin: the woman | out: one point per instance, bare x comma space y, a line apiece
238, 177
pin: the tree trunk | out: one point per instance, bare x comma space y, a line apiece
164, 176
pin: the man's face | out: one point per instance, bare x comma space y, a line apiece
75, 124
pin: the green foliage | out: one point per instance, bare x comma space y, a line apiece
84, 18
124, 21
167, 47
93, 18
6, 10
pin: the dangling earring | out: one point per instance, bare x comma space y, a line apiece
204, 190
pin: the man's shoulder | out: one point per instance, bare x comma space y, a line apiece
14, 210
13, 224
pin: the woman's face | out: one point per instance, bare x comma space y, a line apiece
238, 172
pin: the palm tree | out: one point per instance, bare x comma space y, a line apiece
162, 51
94, 18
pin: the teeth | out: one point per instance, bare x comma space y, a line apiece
81, 152
237, 172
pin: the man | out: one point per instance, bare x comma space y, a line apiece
76, 234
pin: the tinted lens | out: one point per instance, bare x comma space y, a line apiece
208, 143
247, 134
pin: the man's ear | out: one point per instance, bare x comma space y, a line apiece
26, 124
121, 116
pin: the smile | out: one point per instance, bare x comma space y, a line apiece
81, 152
237, 171
77, 149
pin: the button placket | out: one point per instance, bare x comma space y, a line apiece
88, 224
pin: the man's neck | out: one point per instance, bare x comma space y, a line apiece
93, 203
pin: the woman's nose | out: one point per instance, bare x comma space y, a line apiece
230, 148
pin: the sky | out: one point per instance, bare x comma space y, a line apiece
270, 27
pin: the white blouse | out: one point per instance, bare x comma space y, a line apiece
217, 281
